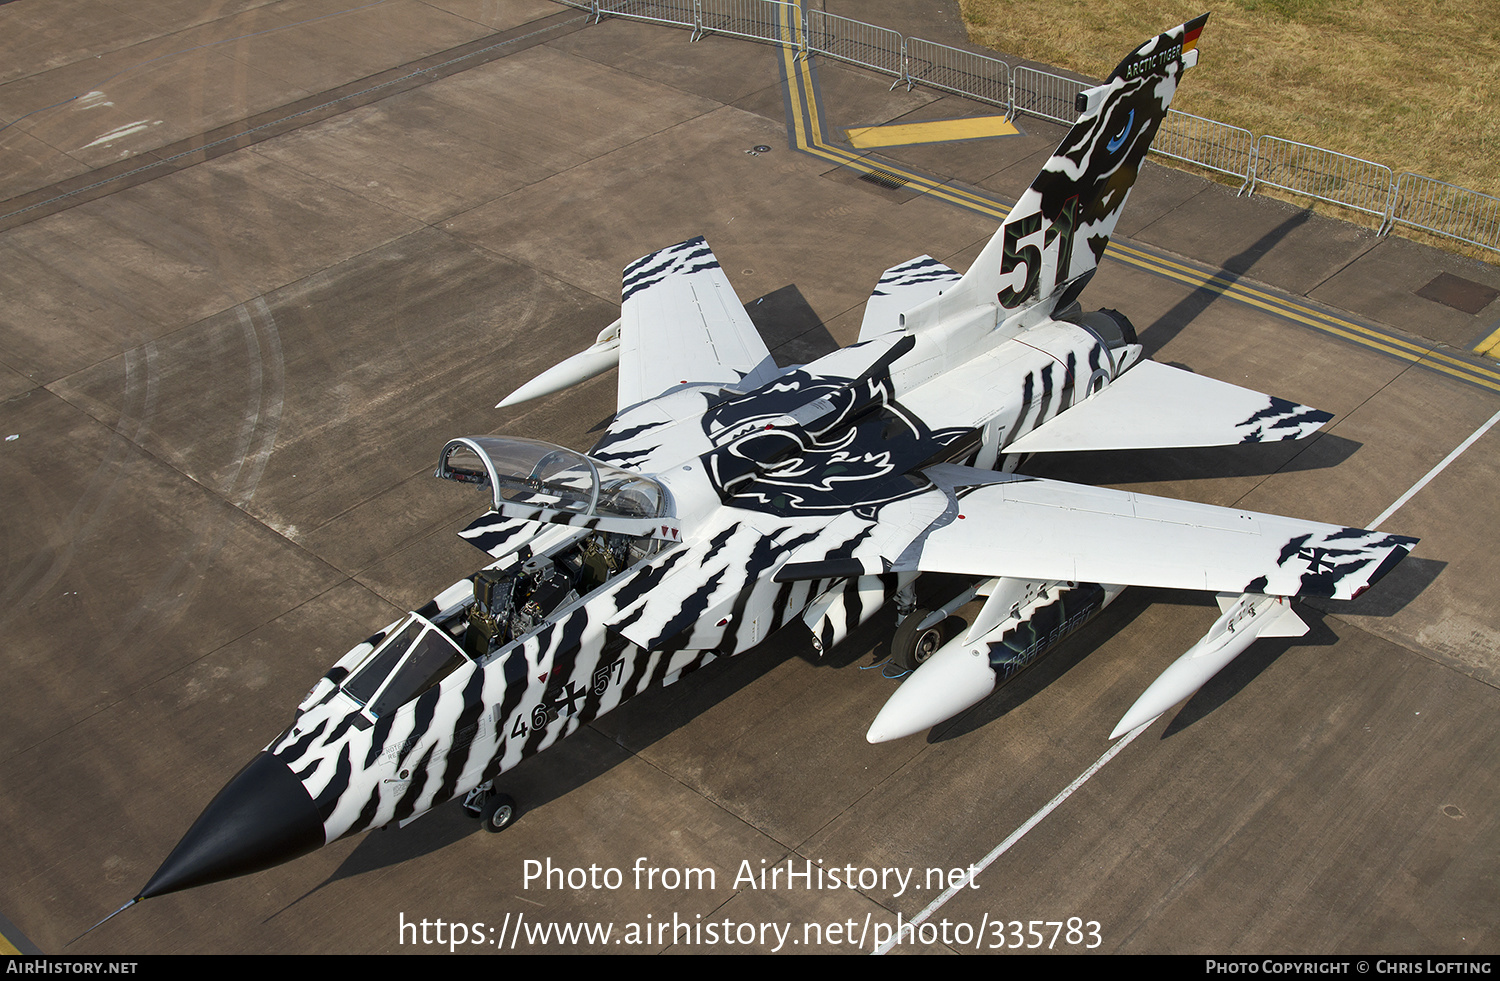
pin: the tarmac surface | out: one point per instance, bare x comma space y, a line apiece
260, 260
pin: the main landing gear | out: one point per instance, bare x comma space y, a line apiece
913, 643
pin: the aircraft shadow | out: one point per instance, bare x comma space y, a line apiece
1175, 320
1114, 467
1400, 587
791, 328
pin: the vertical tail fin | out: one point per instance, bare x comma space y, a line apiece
1055, 236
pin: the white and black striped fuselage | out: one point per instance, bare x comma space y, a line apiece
753, 476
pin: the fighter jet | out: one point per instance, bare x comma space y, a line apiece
729, 497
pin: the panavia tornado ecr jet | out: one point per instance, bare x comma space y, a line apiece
729, 497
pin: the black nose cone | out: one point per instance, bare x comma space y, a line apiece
263, 817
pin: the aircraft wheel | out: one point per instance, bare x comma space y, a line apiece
911, 645
473, 803
498, 812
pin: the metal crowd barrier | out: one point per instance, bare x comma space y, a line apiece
953, 70
1045, 94
1338, 178
776, 21
1445, 209
678, 13
1323, 175
1208, 143
856, 42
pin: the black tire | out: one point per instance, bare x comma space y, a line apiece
498, 813
911, 646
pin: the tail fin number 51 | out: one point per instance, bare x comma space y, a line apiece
1015, 254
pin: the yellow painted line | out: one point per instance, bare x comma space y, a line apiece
13, 942
937, 131
1287, 308
1490, 346
808, 133
1265, 301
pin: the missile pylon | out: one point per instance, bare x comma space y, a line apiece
968, 669
1244, 619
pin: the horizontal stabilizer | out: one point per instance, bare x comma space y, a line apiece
1155, 406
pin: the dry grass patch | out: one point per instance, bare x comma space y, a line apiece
1414, 84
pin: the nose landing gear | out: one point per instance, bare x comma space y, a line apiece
495, 811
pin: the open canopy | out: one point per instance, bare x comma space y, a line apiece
537, 474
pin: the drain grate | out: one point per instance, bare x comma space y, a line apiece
880, 178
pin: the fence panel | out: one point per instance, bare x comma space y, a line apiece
955, 70
1445, 209
1352, 182
856, 42
1337, 178
1045, 94
679, 13
758, 20
1207, 143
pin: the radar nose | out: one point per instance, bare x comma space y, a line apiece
263, 817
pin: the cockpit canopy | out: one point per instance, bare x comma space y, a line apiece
532, 473
413, 658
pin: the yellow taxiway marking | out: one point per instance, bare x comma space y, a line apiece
1490, 346
937, 131
808, 136
1290, 308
